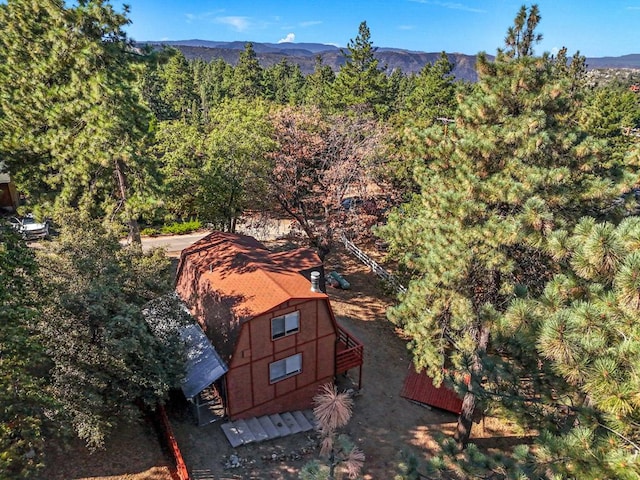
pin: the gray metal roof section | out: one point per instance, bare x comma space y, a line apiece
204, 366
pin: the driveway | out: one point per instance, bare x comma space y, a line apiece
262, 230
173, 244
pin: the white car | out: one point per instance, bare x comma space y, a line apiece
29, 228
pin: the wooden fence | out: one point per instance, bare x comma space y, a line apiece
172, 443
373, 265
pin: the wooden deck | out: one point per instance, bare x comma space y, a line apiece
349, 354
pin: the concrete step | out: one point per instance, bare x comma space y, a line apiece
308, 414
244, 431
305, 425
279, 423
267, 427
256, 428
290, 421
231, 432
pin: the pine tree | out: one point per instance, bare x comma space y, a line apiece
513, 168
588, 327
71, 119
213, 81
178, 88
433, 93
318, 86
247, 75
361, 83
421, 101
284, 83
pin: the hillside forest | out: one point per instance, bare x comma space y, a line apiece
508, 206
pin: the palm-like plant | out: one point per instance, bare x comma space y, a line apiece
333, 410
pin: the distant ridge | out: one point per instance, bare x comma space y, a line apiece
304, 54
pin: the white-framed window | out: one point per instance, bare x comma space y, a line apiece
285, 368
285, 325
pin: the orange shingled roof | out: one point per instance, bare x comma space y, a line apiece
256, 280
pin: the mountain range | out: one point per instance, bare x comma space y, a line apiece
304, 54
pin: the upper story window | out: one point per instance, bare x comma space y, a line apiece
285, 325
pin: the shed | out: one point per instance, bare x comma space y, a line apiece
419, 387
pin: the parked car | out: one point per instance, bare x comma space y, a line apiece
359, 205
29, 228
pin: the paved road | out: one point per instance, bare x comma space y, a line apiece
174, 244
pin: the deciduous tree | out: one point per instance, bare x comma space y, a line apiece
103, 352
319, 162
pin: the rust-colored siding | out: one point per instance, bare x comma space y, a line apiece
249, 391
419, 388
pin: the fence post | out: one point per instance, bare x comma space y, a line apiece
373, 265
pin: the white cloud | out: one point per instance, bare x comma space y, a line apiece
201, 16
288, 39
406, 27
450, 5
310, 23
239, 24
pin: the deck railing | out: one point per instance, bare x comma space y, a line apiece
349, 353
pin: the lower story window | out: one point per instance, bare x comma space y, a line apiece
285, 368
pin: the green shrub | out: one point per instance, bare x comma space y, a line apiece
180, 228
149, 232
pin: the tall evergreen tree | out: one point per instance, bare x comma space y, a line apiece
71, 117
433, 93
421, 101
247, 75
361, 82
284, 83
213, 81
587, 324
513, 168
318, 86
178, 89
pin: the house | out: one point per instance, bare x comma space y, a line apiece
269, 320
9, 198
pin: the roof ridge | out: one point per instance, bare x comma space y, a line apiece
273, 279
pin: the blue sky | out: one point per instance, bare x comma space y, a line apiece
594, 27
